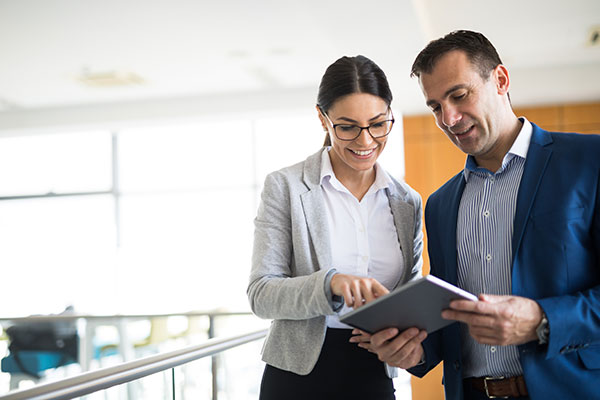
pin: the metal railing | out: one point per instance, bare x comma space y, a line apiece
93, 381
91, 321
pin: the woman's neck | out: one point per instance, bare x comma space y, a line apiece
357, 182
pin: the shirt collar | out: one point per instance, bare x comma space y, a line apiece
518, 149
382, 179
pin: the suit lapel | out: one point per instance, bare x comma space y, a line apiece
404, 215
314, 210
537, 159
448, 230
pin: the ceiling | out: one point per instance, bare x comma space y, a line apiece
230, 56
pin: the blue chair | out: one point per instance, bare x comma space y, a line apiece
34, 362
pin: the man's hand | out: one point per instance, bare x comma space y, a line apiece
402, 350
498, 320
356, 290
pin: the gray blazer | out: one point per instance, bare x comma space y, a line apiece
292, 257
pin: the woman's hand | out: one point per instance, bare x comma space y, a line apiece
356, 290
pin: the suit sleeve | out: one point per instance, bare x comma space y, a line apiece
574, 319
273, 291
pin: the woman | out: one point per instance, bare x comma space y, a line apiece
333, 232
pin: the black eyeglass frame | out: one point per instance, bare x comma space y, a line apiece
360, 127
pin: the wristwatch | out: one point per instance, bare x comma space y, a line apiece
543, 330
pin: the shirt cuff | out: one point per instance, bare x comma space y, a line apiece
336, 302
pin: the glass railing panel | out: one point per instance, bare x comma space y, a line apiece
238, 374
194, 380
239, 369
158, 386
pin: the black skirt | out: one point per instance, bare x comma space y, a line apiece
343, 371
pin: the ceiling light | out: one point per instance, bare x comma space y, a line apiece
109, 78
594, 36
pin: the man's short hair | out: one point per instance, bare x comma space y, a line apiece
479, 50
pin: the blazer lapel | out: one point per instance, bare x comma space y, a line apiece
404, 215
448, 230
314, 210
537, 159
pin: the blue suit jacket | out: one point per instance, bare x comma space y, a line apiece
556, 261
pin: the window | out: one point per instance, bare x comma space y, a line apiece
146, 219
61, 163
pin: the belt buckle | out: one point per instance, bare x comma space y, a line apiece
485, 385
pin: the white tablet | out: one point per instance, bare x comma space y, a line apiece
418, 303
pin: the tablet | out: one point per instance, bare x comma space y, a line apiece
418, 303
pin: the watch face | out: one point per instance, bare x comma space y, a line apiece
543, 330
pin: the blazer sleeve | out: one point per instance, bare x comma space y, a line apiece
574, 319
431, 347
274, 290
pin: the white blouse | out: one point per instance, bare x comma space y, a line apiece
363, 237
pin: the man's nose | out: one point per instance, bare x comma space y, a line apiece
450, 116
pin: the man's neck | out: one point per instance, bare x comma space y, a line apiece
493, 160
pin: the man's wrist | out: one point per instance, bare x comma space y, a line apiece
542, 331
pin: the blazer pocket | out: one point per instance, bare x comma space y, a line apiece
590, 356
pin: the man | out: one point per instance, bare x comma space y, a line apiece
520, 224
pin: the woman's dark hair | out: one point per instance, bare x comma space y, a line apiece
479, 50
349, 75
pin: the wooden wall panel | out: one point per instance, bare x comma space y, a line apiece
430, 386
582, 118
583, 114
549, 118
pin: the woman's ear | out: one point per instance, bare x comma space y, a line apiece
322, 119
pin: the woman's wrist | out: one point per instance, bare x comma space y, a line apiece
335, 301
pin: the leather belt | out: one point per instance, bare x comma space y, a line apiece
500, 387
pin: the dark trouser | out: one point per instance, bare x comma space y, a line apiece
343, 371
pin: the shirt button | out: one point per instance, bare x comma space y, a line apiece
493, 349
488, 257
486, 213
365, 258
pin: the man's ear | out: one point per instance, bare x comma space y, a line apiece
502, 79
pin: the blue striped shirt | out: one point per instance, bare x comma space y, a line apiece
484, 234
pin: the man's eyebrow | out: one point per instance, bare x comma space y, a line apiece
447, 93
453, 88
